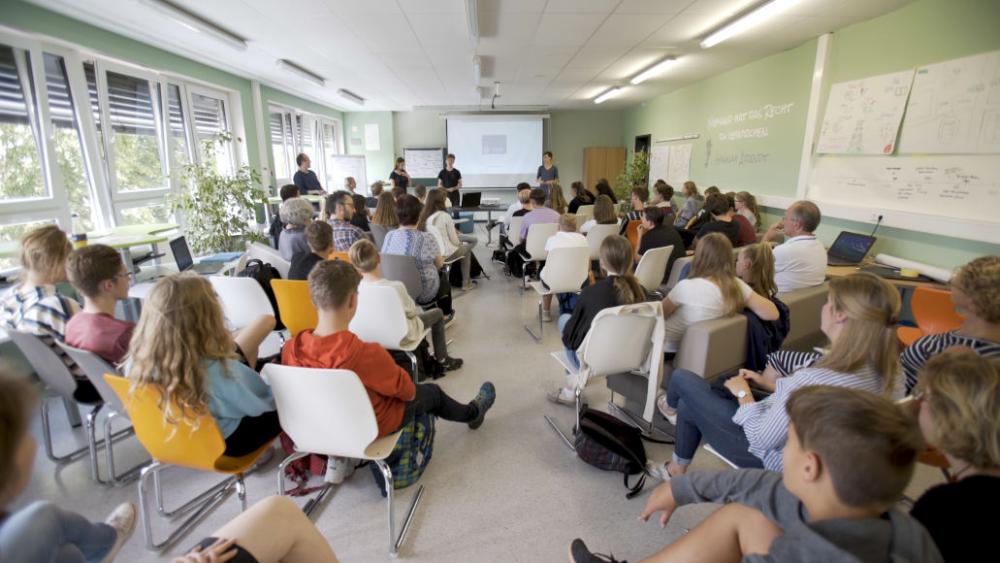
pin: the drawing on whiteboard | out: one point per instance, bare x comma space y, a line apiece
955, 107
863, 116
679, 164
424, 163
658, 159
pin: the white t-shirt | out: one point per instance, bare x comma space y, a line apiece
565, 240
798, 263
511, 209
699, 300
587, 225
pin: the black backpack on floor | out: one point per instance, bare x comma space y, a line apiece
612, 445
264, 273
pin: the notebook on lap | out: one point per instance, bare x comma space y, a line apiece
849, 249
182, 255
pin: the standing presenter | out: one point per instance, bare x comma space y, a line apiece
548, 174
450, 179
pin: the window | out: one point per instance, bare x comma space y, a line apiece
209, 121
21, 173
178, 128
13, 232
307, 139
329, 151
145, 215
281, 166
135, 146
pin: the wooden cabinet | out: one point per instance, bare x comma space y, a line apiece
602, 162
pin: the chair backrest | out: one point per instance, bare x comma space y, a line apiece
324, 411
243, 299
514, 230
805, 312
585, 209
538, 234
632, 233
49, 367
195, 443
679, 267
94, 367
378, 234
268, 255
566, 269
596, 236
934, 311
618, 343
584, 213
295, 306
380, 316
652, 266
402, 268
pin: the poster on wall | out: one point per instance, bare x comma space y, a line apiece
372, 141
658, 163
679, 164
863, 116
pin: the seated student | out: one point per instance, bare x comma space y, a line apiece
618, 287
385, 212
340, 209
408, 240
539, 214
580, 197
604, 214
692, 203
286, 192
181, 345
858, 318
755, 266
654, 234
662, 196
747, 234
746, 205
604, 188
371, 202
800, 261
975, 290
703, 215
99, 275
333, 286
364, 257
360, 217
34, 306
454, 246
639, 197
273, 530
296, 214
319, 237
398, 192
722, 222
420, 191
848, 459
959, 398
565, 237
711, 291
516, 209
42, 531
556, 199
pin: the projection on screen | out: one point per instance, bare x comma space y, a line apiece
496, 151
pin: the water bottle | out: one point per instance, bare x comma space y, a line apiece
79, 235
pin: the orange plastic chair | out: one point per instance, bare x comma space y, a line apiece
194, 444
934, 313
340, 256
632, 233
295, 306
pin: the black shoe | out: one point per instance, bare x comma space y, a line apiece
451, 364
578, 553
483, 401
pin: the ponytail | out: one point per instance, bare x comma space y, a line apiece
616, 259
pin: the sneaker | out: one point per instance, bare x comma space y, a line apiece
562, 396
578, 553
449, 318
338, 469
471, 285
546, 316
483, 401
122, 519
657, 470
668, 413
451, 364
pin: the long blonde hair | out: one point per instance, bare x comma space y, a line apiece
181, 326
868, 336
557, 199
616, 256
713, 260
760, 276
604, 210
385, 211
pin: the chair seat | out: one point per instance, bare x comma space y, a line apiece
908, 334
227, 464
382, 447
540, 288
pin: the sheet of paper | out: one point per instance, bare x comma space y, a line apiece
679, 165
372, 141
863, 116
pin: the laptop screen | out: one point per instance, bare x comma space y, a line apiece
471, 199
182, 254
851, 246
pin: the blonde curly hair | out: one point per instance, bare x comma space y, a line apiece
980, 281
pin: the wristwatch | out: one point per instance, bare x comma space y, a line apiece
742, 393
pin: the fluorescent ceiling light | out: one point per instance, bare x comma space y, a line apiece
607, 95
351, 96
654, 70
197, 23
301, 71
752, 19
477, 69
472, 20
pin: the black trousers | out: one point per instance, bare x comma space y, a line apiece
433, 400
252, 433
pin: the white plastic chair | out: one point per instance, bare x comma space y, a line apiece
565, 271
328, 412
584, 213
652, 266
380, 318
675, 271
514, 230
267, 255
243, 301
596, 236
534, 247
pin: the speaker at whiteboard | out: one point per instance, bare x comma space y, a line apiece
341, 166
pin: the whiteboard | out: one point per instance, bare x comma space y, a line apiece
658, 160
424, 163
863, 116
340, 166
955, 107
679, 164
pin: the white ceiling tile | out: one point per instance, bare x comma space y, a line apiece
566, 29
653, 6
362, 6
523, 6
440, 30
626, 30
600, 57
580, 6
433, 6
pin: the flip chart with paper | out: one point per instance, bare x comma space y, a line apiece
424, 163
340, 166
863, 116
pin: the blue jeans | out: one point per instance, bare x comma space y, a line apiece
701, 412
44, 532
570, 354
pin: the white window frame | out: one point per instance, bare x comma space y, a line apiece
292, 147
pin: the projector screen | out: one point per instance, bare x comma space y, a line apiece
496, 150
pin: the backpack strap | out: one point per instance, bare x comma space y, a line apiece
633, 491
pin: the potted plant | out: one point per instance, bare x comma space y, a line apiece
636, 173
219, 210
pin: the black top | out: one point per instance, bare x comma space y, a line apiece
307, 181
302, 264
960, 517
449, 178
729, 228
576, 202
371, 202
661, 236
593, 299
400, 180
521, 212
275, 231
360, 220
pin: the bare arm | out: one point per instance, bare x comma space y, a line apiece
762, 307
669, 307
249, 338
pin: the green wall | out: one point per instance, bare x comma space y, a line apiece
378, 164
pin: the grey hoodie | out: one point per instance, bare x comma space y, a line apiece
895, 537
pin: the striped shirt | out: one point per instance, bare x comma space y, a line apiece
926, 347
40, 310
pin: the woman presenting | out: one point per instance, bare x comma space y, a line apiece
399, 176
547, 172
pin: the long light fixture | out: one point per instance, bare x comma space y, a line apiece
607, 95
654, 70
197, 23
301, 72
477, 69
750, 20
351, 96
472, 20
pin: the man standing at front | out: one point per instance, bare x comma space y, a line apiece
450, 179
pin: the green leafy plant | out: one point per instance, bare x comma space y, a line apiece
219, 209
636, 173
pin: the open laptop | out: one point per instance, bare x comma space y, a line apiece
182, 255
849, 249
471, 199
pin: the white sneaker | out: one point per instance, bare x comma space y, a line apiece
658, 470
122, 519
546, 316
667, 412
562, 396
338, 469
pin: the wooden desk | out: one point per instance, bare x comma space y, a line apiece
841, 271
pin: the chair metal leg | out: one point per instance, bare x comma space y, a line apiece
207, 504
241, 492
312, 503
113, 477
47, 439
413, 362
396, 542
90, 426
648, 429
538, 337
225, 484
72, 412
